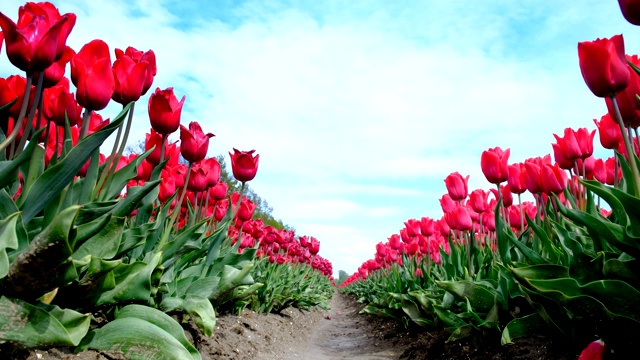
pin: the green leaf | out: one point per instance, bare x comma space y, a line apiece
199, 308
161, 320
57, 177
481, 296
121, 177
105, 243
9, 168
526, 326
32, 326
135, 339
8, 240
135, 195
133, 282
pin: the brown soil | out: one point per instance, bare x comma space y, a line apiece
341, 333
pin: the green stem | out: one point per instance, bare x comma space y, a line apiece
32, 114
163, 147
86, 118
23, 111
630, 151
116, 158
176, 211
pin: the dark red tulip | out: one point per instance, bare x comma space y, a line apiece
165, 110
130, 77
630, 10
140, 56
219, 191
58, 102
244, 165
194, 143
92, 75
12, 88
54, 73
212, 169
494, 165
167, 186
604, 66
39, 38
197, 179
246, 209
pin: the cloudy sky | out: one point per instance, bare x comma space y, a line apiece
360, 109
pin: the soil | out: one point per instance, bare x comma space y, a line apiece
341, 333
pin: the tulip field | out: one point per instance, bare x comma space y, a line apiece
115, 252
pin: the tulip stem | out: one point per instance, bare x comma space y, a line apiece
32, 114
86, 118
23, 111
115, 158
163, 147
630, 151
175, 213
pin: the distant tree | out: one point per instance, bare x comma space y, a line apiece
342, 276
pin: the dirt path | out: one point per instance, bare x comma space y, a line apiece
347, 335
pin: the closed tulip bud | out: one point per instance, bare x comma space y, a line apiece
494, 164
130, 77
244, 165
219, 190
92, 75
447, 204
516, 179
609, 132
246, 209
194, 143
604, 66
197, 180
553, 179
627, 102
594, 351
165, 111
478, 200
457, 186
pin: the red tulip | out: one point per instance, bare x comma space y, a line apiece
427, 226
630, 10
212, 169
457, 186
552, 179
494, 165
627, 102
130, 77
244, 165
167, 186
447, 204
165, 110
593, 351
139, 56
507, 197
603, 65
570, 148
11, 88
39, 38
194, 143
609, 131
478, 200
54, 73
92, 75
413, 227
246, 209
58, 102
219, 191
516, 179
221, 209
459, 219
197, 179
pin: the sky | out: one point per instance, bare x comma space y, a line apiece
360, 109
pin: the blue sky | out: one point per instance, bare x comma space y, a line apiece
360, 109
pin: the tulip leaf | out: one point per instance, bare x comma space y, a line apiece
8, 240
135, 195
33, 326
526, 326
9, 168
199, 308
57, 177
133, 282
161, 320
105, 243
135, 339
120, 178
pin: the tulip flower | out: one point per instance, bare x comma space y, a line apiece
164, 111
59, 104
630, 10
194, 143
92, 75
609, 132
494, 165
219, 191
130, 77
478, 200
246, 209
516, 179
39, 38
457, 186
594, 351
447, 204
427, 226
244, 165
138, 56
212, 169
197, 179
626, 99
604, 66
54, 73
552, 179
11, 88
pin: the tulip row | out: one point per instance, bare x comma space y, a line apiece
559, 266
131, 237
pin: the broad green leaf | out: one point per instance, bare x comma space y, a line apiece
135, 339
32, 326
199, 308
526, 326
9, 168
57, 177
8, 240
481, 297
120, 178
105, 243
161, 320
135, 195
133, 282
